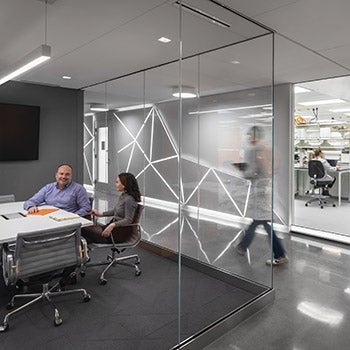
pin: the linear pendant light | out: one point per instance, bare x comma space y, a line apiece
33, 59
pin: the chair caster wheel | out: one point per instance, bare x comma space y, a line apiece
57, 321
137, 261
82, 273
306, 205
137, 273
87, 298
102, 281
10, 306
334, 205
321, 206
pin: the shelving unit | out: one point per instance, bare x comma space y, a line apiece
331, 136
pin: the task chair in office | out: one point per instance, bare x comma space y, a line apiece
40, 257
123, 238
316, 172
7, 198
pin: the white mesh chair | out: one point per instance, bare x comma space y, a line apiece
40, 257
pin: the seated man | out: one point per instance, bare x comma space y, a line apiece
64, 194
328, 169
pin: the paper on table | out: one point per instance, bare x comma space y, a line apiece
60, 216
44, 211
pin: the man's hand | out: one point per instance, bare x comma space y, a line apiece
33, 210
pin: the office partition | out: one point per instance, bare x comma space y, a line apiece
184, 130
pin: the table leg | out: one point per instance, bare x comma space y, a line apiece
339, 189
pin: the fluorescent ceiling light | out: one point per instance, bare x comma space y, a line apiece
321, 102
299, 89
229, 109
66, 77
340, 110
164, 40
235, 62
257, 115
186, 92
131, 108
98, 107
33, 59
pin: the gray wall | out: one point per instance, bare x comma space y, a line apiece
283, 133
61, 137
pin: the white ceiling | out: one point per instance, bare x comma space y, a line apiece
97, 40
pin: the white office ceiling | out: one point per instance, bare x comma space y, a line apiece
96, 40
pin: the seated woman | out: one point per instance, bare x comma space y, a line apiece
123, 212
330, 171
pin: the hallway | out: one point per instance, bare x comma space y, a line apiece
312, 306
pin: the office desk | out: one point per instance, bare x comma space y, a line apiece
339, 174
10, 228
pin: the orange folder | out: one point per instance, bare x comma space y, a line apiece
44, 211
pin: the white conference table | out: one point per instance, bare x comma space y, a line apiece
9, 228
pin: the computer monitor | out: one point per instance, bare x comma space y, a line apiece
332, 162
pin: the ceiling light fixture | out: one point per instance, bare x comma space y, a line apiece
33, 59
186, 92
164, 40
98, 107
235, 62
66, 77
136, 107
321, 102
229, 109
339, 110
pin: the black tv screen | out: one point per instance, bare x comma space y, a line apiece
19, 132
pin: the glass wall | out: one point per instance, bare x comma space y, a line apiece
322, 121
198, 135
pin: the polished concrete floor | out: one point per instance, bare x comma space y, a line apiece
312, 306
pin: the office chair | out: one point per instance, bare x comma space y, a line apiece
123, 237
40, 257
316, 171
7, 198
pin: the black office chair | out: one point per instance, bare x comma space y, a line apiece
41, 257
123, 237
316, 172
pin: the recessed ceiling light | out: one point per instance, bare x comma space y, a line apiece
322, 102
299, 89
66, 77
235, 62
164, 40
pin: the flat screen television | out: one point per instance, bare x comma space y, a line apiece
19, 132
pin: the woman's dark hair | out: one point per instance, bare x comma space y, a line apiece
131, 186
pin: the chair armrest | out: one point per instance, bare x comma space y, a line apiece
8, 266
84, 250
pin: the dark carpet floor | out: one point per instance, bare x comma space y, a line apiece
129, 312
